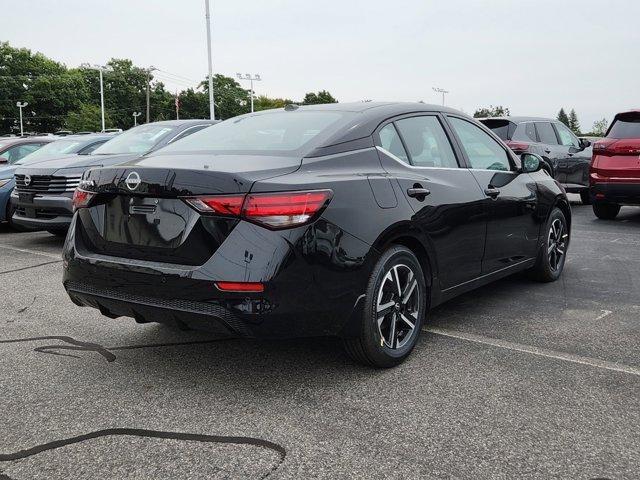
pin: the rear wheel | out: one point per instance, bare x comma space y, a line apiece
585, 197
394, 311
552, 255
606, 211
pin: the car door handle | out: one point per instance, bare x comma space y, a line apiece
416, 192
492, 192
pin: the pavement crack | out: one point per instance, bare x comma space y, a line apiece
29, 267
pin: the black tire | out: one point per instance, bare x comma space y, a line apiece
380, 344
58, 233
585, 197
606, 211
553, 252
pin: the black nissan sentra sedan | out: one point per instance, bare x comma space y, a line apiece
349, 220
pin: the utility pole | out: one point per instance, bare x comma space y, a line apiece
177, 106
149, 70
442, 91
21, 106
135, 118
212, 108
248, 76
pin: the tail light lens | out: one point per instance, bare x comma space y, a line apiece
518, 147
240, 286
81, 198
273, 210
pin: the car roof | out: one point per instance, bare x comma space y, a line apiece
520, 119
180, 123
6, 141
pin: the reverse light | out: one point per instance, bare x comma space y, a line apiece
255, 287
273, 210
81, 198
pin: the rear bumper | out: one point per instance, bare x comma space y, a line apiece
43, 212
309, 290
620, 193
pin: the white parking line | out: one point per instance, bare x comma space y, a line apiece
542, 352
34, 252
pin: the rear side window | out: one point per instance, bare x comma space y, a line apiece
547, 133
427, 142
502, 128
625, 126
390, 141
526, 132
483, 152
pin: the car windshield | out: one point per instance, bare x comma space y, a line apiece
500, 128
625, 126
137, 140
277, 131
52, 150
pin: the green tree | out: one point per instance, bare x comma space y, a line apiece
574, 124
88, 117
265, 103
562, 117
600, 127
322, 96
194, 104
491, 111
231, 99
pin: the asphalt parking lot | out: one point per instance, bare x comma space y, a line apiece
515, 380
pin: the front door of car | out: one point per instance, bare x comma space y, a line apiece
446, 199
574, 164
510, 197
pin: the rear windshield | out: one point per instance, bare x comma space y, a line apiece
625, 126
277, 131
138, 140
502, 128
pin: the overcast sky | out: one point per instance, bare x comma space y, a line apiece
533, 56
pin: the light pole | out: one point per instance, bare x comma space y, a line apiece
212, 108
101, 69
254, 78
442, 91
21, 106
149, 70
135, 118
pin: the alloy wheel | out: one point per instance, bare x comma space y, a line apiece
397, 307
556, 244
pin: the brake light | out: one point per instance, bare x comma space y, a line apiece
81, 198
240, 286
273, 210
518, 147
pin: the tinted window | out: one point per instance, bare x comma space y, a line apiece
546, 133
139, 140
390, 141
483, 151
625, 126
567, 138
502, 128
18, 152
427, 143
284, 131
526, 132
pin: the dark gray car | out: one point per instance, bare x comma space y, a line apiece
567, 157
42, 198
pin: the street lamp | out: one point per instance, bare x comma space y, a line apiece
254, 78
149, 70
442, 91
101, 69
212, 108
135, 118
21, 106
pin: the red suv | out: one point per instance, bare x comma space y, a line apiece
614, 177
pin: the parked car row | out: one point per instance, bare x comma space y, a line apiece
348, 220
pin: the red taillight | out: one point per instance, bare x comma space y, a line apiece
518, 147
273, 210
256, 287
613, 146
81, 198
229, 205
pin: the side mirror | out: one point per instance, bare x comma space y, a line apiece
4, 160
584, 143
530, 162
